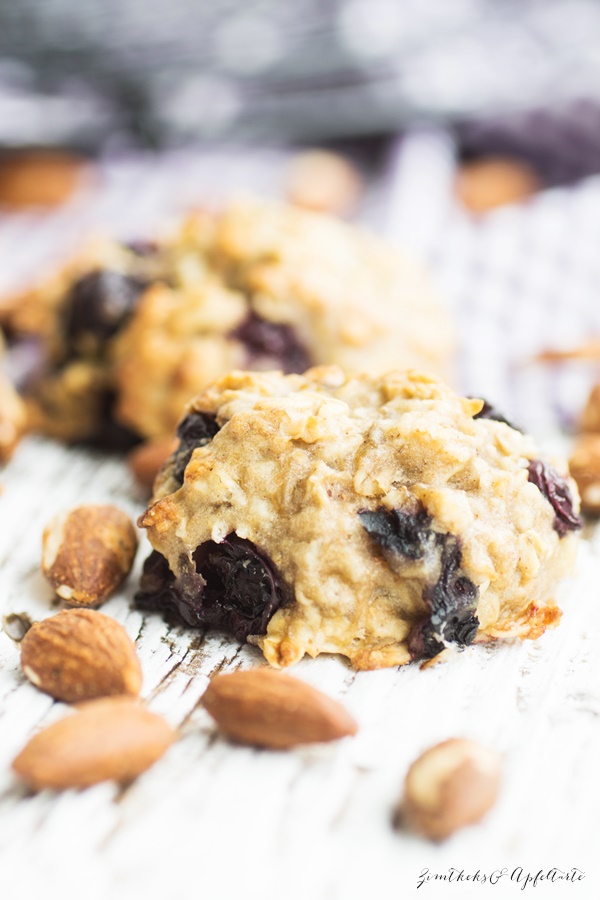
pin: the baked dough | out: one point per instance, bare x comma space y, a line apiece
380, 517
132, 332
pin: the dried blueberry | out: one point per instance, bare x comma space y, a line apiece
100, 303
556, 491
196, 430
397, 531
490, 412
452, 599
234, 586
274, 341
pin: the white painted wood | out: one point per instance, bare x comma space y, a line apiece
219, 820
212, 820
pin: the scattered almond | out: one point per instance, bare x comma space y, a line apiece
81, 654
487, 183
584, 466
43, 178
587, 351
13, 419
267, 709
110, 739
146, 460
590, 419
88, 552
451, 785
323, 181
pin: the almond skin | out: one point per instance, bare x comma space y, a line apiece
488, 183
323, 181
42, 178
584, 466
146, 460
88, 552
81, 654
110, 739
13, 418
449, 786
267, 709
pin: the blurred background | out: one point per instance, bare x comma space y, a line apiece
467, 130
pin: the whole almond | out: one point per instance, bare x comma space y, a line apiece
41, 178
584, 466
146, 460
13, 418
88, 552
449, 786
81, 654
267, 709
487, 183
590, 418
110, 739
323, 181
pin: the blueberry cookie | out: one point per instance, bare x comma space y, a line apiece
132, 332
382, 518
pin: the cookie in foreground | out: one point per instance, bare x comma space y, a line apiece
131, 332
382, 518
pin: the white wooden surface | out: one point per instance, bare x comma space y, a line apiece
212, 820
217, 820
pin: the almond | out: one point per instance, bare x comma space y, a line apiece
584, 466
109, 739
590, 418
268, 709
13, 419
449, 786
81, 654
487, 183
146, 461
42, 178
323, 181
88, 552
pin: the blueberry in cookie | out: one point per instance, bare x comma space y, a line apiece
378, 517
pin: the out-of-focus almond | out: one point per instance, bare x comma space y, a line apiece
584, 466
487, 183
42, 178
81, 654
590, 418
449, 786
267, 709
110, 739
13, 419
323, 181
146, 460
88, 552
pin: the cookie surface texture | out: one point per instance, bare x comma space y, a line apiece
133, 332
381, 518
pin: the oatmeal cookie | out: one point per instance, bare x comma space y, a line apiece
134, 331
382, 518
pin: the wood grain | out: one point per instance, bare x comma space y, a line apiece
320, 817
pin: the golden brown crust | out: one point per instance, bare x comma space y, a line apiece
296, 460
345, 297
